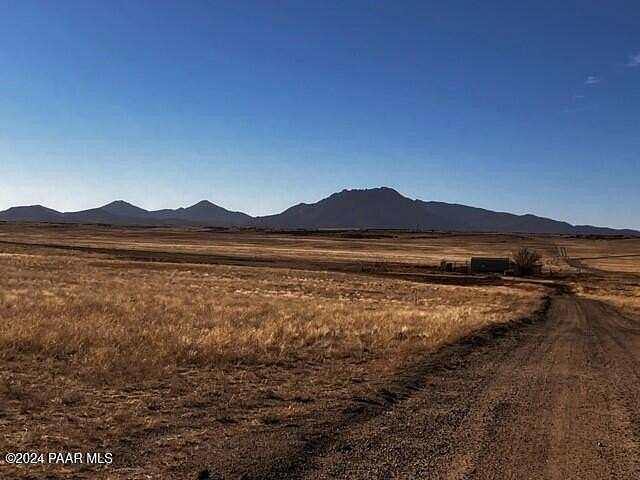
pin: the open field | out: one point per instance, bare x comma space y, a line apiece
422, 249
184, 350
112, 319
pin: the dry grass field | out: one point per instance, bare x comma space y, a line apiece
301, 247
113, 320
610, 270
167, 360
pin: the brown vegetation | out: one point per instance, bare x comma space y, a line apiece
528, 261
114, 320
151, 357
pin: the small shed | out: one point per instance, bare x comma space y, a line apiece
491, 265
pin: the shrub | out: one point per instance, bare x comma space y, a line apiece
527, 261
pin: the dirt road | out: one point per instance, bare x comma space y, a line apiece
558, 399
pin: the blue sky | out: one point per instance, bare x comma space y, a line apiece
258, 105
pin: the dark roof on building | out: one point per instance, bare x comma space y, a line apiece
490, 259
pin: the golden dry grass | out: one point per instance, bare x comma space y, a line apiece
423, 248
611, 255
616, 279
623, 295
152, 360
615, 264
116, 320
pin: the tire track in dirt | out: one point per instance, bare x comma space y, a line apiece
436, 374
554, 399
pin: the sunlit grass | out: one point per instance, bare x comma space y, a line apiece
111, 320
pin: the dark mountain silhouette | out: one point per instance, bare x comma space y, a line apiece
96, 215
121, 208
376, 208
205, 213
464, 218
123, 213
386, 208
31, 213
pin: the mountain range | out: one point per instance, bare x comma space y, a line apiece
376, 208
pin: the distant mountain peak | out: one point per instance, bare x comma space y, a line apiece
31, 213
119, 203
204, 203
373, 190
386, 208
368, 194
38, 206
125, 209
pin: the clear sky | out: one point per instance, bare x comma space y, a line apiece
257, 105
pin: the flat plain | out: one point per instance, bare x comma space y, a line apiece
244, 354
